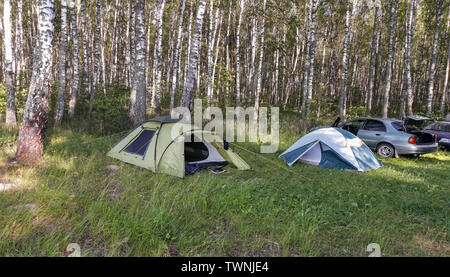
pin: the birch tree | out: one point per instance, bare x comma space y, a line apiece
261, 57
189, 40
176, 60
19, 41
61, 100
157, 64
138, 89
30, 144
11, 121
408, 44
85, 78
388, 77
373, 51
96, 55
345, 55
213, 23
238, 58
194, 55
433, 59
75, 60
312, 52
444, 98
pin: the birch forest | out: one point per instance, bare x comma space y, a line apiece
121, 62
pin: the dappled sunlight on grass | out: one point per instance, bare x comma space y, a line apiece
271, 210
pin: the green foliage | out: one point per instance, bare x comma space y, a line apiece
2, 99
356, 111
110, 111
20, 97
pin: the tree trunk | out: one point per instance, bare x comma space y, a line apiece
61, 100
75, 53
388, 78
373, 50
238, 59
342, 92
409, 35
211, 36
261, 58
19, 42
138, 89
176, 59
194, 56
156, 96
307, 60
215, 55
189, 41
433, 59
444, 98
312, 54
11, 121
30, 144
96, 55
251, 75
85, 73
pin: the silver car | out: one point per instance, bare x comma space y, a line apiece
391, 137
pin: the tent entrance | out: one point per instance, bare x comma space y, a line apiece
201, 154
195, 152
312, 156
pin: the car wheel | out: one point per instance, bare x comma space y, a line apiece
386, 150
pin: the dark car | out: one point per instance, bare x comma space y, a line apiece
442, 131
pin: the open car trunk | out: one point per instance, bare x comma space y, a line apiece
415, 124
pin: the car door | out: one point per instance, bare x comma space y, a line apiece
372, 132
353, 126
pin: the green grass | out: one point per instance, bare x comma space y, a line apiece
272, 210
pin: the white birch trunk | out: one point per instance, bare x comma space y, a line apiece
342, 92
156, 95
261, 58
238, 59
433, 59
409, 35
61, 100
194, 56
75, 61
189, 40
138, 104
96, 56
176, 59
444, 98
388, 78
11, 121
372, 64
30, 143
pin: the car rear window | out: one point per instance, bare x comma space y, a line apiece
445, 127
398, 125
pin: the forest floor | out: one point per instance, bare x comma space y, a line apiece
71, 196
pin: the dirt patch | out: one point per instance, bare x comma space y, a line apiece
435, 248
114, 191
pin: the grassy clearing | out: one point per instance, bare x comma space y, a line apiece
70, 196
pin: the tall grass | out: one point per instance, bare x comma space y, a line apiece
70, 196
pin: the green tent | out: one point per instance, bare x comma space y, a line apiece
166, 145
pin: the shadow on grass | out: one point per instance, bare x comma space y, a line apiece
272, 210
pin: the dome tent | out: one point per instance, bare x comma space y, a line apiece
332, 148
166, 145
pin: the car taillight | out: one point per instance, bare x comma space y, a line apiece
412, 139
435, 139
